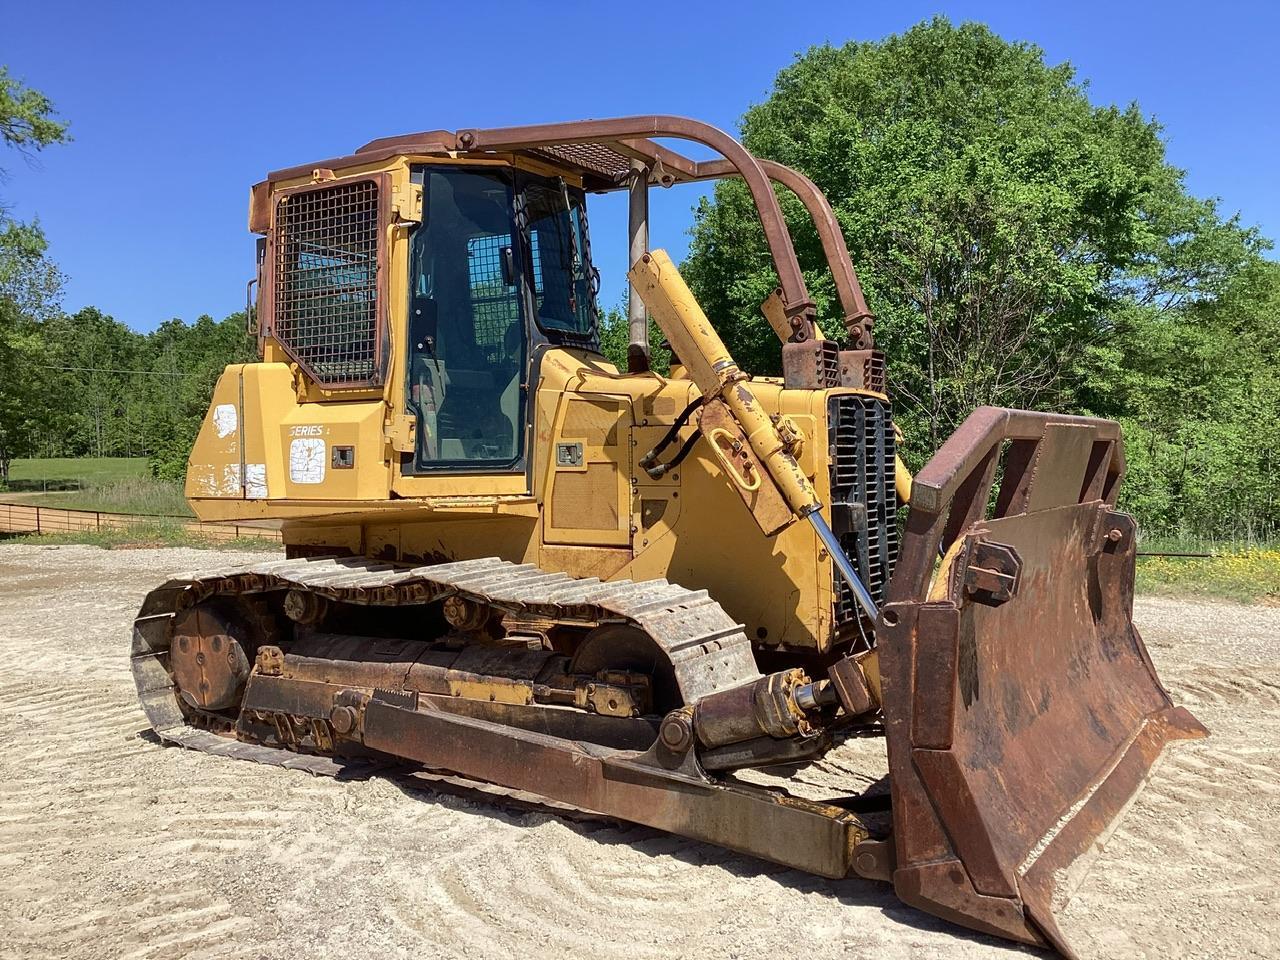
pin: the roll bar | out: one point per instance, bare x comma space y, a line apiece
858, 317
625, 131
608, 152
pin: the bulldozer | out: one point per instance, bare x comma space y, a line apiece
512, 565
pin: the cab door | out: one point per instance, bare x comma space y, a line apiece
467, 353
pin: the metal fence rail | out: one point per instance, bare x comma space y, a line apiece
30, 518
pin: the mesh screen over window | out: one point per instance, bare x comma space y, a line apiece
493, 303
326, 282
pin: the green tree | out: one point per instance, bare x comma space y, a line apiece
27, 117
29, 288
187, 361
1199, 398
1001, 223
29, 282
97, 357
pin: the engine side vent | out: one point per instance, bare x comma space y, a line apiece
864, 499
326, 290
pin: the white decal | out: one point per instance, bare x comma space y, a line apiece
255, 481
201, 477
225, 420
306, 461
231, 480
310, 430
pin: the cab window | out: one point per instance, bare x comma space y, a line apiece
467, 344
560, 257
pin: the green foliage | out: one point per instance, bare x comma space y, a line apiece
27, 116
191, 359
1199, 397
998, 219
29, 287
1020, 246
85, 384
29, 283
112, 392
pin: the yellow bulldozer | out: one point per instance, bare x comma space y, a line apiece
509, 563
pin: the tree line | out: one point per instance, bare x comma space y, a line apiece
1022, 247
96, 388
84, 384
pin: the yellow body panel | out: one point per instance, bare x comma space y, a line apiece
604, 518
324, 465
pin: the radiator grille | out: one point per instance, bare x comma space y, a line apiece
862, 465
325, 308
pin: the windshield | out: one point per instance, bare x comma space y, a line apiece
560, 256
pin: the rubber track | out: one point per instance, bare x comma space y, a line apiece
707, 648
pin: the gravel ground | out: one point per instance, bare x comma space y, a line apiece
117, 847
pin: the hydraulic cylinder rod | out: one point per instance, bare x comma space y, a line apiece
843, 566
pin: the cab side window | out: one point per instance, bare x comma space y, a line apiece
467, 343
559, 251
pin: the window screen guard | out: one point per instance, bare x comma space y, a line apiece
327, 307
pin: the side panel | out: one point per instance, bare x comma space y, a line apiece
588, 472
257, 443
689, 527
214, 467
693, 528
331, 451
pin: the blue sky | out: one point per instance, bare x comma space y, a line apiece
176, 108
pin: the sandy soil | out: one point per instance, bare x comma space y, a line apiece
113, 846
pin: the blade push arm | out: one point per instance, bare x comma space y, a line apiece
743, 438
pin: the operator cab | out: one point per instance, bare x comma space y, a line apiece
499, 265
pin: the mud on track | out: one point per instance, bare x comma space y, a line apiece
112, 846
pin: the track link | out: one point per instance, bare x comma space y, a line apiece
708, 650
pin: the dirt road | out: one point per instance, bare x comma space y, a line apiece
112, 846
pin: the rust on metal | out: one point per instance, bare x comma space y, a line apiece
1017, 731
858, 318
635, 787
207, 659
852, 686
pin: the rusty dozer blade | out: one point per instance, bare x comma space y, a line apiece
1023, 713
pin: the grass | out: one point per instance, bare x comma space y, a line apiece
145, 534
105, 484
1244, 570
115, 485
144, 496
67, 472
